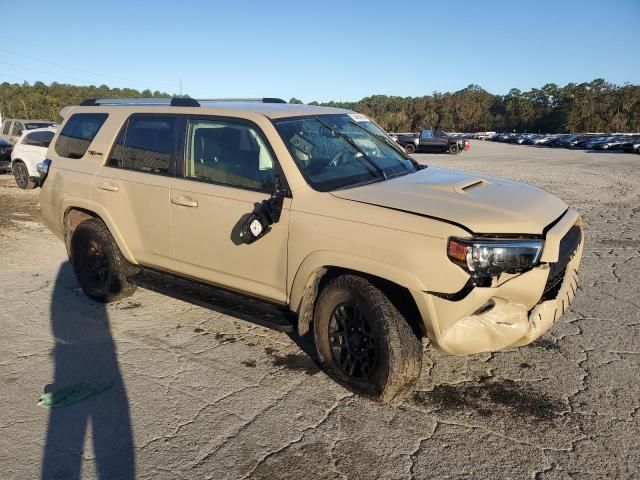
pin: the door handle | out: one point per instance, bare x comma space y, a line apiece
184, 201
108, 186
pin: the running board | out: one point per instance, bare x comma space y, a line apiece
240, 306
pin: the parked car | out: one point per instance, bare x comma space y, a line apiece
5, 156
431, 141
313, 219
610, 143
632, 146
29, 150
12, 129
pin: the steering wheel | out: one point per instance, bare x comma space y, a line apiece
338, 159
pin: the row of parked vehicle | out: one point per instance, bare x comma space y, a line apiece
428, 140
629, 143
23, 144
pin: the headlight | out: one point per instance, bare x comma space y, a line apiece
488, 257
43, 170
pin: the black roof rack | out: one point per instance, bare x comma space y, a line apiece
173, 102
256, 100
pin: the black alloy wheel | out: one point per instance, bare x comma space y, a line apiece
362, 340
101, 269
353, 345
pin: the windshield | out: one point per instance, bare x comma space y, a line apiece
341, 151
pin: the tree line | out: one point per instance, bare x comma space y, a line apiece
596, 106
44, 102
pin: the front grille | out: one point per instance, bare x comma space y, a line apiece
568, 246
553, 285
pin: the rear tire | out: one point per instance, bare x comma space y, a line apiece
100, 267
410, 148
453, 148
21, 174
363, 342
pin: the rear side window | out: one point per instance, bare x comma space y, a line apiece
38, 139
5, 127
78, 133
146, 143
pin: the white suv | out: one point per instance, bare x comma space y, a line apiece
30, 149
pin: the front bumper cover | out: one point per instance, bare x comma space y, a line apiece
519, 310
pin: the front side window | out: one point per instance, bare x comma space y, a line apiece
228, 153
341, 151
146, 143
38, 139
78, 133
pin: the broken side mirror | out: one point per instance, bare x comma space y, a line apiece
265, 213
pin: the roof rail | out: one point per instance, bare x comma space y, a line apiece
256, 100
174, 102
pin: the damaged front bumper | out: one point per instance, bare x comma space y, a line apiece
517, 311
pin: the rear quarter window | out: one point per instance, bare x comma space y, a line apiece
78, 133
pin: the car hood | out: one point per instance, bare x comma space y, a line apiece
478, 203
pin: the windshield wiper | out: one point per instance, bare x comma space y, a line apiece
387, 141
350, 141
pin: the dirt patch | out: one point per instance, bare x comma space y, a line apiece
249, 363
131, 306
488, 397
18, 206
224, 338
293, 361
621, 242
545, 344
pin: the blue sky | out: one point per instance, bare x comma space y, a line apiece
320, 50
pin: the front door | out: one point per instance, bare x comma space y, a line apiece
228, 167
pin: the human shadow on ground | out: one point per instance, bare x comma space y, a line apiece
85, 352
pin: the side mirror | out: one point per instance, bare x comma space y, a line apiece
265, 213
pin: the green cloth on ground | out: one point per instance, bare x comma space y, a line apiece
72, 394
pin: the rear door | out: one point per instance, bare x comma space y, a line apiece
133, 187
440, 140
228, 167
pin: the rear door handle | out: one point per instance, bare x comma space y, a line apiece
108, 186
184, 201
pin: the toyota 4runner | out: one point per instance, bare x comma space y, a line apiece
307, 219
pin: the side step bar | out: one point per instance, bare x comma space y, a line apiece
250, 309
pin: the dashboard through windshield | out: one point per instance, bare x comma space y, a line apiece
342, 151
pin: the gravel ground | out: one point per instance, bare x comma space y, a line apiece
198, 394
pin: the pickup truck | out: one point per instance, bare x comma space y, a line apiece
430, 141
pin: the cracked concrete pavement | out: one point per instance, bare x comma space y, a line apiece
198, 394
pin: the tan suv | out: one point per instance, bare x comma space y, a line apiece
309, 219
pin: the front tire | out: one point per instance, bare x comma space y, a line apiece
363, 342
453, 148
100, 267
410, 148
21, 174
